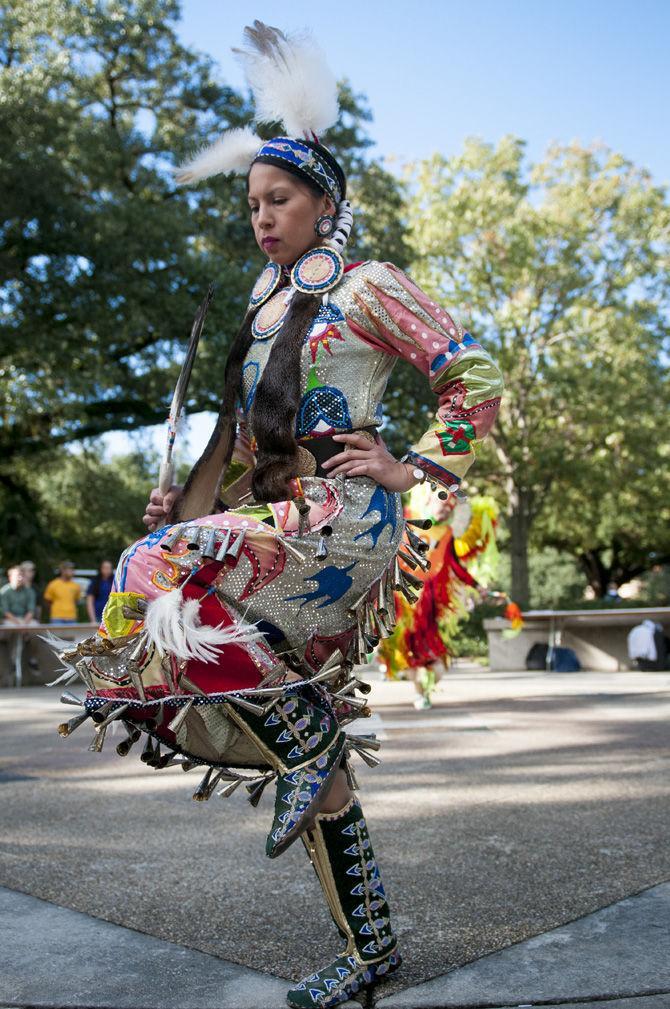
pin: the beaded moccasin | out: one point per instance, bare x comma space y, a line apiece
340, 849
304, 744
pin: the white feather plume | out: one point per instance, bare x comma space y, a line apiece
174, 626
290, 80
232, 152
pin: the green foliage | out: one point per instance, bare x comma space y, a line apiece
108, 499
655, 587
556, 579
82, 508
96, 240
469, 637
103, 260
562, 270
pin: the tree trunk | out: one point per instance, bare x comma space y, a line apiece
519, 527
597, 572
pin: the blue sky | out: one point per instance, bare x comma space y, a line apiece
436, 72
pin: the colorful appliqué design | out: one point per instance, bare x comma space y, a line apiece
384, 503
267, 558
454, 347
323, 409
148, 542
332, 583
322, 339
324, 329
456, 437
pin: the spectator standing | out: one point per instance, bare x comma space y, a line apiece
17, 609
17, 600
63, 594
98, 591
28, 569
648, 646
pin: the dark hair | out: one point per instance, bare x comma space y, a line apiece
277, 397
276, 403
96, 580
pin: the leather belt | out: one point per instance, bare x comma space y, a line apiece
323, 447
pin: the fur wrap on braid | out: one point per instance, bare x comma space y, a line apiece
272, 418
277, 401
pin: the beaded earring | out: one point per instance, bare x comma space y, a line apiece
324, 225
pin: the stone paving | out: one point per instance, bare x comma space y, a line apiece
519, 803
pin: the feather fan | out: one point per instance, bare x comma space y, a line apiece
290, 80
173, 625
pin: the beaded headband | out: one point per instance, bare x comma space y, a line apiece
302, 158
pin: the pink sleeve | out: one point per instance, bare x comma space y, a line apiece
394, 315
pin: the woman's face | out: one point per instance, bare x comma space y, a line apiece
283, 213
106, 569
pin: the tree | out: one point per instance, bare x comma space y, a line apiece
102, 258
97, 242
613, 515
562, 270
78, 489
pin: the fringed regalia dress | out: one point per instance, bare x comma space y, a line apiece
253, 565
229, 640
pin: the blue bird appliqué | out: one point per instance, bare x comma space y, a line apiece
384, 503
332, 583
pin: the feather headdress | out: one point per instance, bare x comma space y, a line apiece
290, 80
291, 84
232, 152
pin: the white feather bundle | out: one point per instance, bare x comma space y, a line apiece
290, 80
232, 152
174, 626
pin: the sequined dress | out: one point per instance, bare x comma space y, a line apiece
270, 577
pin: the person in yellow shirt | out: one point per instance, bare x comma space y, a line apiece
62, 594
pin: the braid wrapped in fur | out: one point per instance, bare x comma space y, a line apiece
272, 417
203, 484
276, 403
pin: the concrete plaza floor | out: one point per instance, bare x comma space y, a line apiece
519, 803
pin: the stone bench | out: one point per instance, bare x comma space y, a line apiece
598, 637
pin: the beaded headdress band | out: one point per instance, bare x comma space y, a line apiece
291, 84
301, 157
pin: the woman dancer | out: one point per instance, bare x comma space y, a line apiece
232, 631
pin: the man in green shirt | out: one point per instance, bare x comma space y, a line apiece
17, 600
17, 609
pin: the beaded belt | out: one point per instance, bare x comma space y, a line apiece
315, 451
